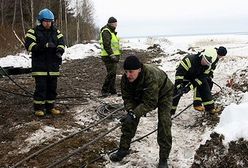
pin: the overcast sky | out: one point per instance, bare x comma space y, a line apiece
168, 17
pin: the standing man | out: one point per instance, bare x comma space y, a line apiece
145, 88
197, 103
47, 46
192, 72
110, 46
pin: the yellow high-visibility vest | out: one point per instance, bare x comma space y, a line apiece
115, 44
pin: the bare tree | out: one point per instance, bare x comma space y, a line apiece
23, 28
66, 26
2, 12
14, 15
32, 12
88, 20
60, 15
78, 20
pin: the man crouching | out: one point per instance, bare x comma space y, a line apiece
145, 88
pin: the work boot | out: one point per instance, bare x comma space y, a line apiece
119, 155
162, 164
113, 92
39, 113
105, 94
199, 108
214, 111
54, 111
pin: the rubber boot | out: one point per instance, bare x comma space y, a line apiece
214, 111
199, 108
54, 111
162, 164
39, 113
118, 156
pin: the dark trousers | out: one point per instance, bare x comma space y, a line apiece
45, 92
109, 82
197, 97
164, 137
204, 92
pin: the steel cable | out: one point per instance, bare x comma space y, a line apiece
84, 146
146, 135
67, 137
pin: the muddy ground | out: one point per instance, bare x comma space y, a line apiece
80, 83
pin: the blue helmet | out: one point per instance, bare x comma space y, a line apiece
46, 14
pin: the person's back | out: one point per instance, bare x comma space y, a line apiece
190, 67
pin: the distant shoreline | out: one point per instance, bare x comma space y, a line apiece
197, 34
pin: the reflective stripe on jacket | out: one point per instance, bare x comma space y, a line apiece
44, 60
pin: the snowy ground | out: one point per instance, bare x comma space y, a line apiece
186, 136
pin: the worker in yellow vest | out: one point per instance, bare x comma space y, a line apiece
110, 54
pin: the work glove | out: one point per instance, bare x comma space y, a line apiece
184, 89
114, 58
59, 56
173, 111
50, 45
129, 118
37, 48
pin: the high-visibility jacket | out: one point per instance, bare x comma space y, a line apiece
190, 68
115, 43
44, 60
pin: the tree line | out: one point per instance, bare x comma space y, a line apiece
17, 16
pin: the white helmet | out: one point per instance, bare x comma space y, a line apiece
210, 55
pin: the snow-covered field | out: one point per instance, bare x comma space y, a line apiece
186, 138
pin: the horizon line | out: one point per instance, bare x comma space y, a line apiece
186, 34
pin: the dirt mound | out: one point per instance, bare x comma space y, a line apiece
239, 80
214, 154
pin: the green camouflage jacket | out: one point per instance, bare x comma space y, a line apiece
147, 91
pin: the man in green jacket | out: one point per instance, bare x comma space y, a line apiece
145, 88
110, 55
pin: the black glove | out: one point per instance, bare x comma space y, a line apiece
210, 78
50, 45
173, 111
184, 89
59, 56
37, 48
129, 118
114, 58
